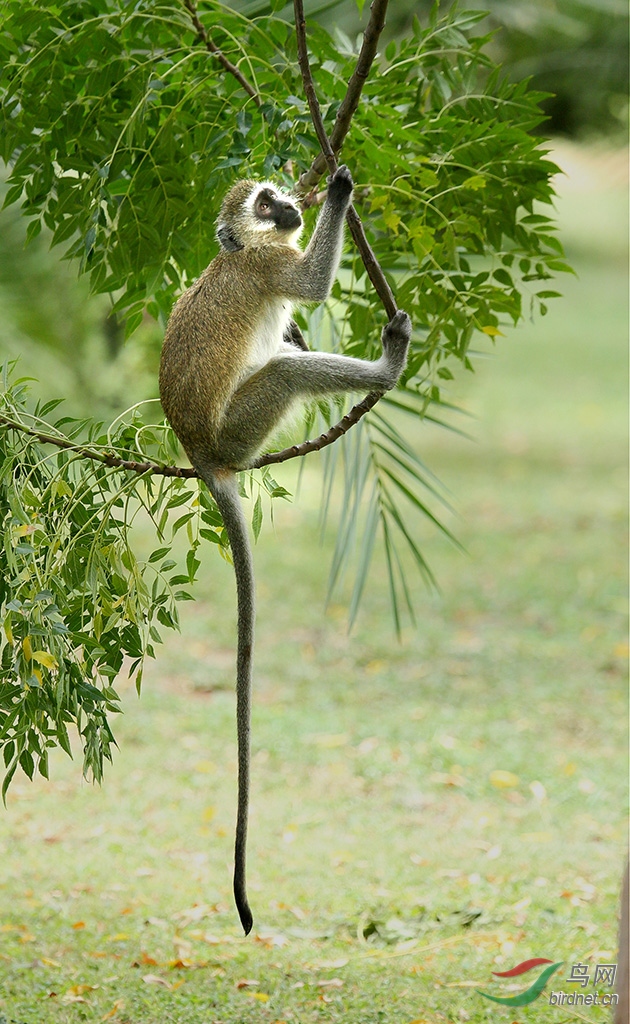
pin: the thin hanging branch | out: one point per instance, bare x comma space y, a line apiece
212, 48
350, 102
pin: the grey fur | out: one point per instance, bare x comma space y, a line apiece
232, 368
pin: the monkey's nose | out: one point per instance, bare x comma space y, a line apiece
287, 217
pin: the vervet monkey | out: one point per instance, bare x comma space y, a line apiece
231, 371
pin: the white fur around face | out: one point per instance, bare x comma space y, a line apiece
259, 227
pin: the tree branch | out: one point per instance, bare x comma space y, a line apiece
113, 461
317, 443
350, 102
216, 52
370, 262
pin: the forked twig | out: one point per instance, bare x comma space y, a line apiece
212, 48
350, 102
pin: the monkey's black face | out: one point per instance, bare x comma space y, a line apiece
280, 212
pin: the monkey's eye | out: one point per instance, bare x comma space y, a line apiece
263, 206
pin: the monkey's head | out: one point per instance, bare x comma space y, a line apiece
256, 213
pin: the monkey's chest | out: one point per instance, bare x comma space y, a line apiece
266, 340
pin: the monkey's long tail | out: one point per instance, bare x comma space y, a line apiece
224, 489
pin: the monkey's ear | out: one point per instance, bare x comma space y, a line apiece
228, 241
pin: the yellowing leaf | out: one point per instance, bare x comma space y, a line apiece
26, 647
261, 996
392, 220
503, 780
118, 1005
493, 332
78, 925
476, 182
45, 658
8, 632
23, 531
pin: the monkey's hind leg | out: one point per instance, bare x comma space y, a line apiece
258, 406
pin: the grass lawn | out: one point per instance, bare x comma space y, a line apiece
423, 813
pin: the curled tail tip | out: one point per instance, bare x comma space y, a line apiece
246, 917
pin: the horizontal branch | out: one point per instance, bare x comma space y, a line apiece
107, 459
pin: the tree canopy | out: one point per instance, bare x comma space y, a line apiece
122, 125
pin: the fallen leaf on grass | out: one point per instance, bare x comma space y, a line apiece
261, 996
195, 913
330, 983
183, 948
149, 961
272, 939
154, 979
78, 925
247, 983
76, 994
180, 965
118, 1005
212, 940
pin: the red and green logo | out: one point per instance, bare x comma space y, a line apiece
531, 993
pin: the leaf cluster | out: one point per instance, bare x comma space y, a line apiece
78, 604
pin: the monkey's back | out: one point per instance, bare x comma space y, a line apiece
208, 345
